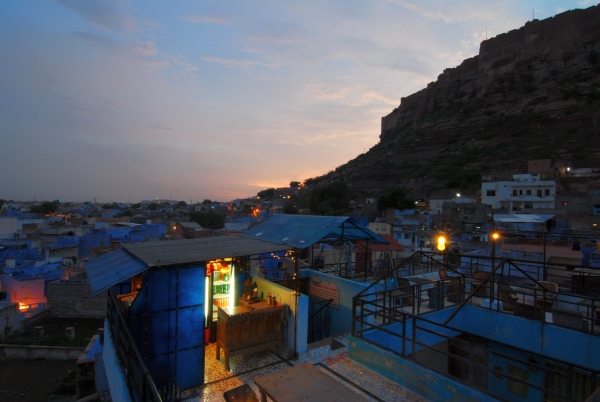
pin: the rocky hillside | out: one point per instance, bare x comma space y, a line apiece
531, 93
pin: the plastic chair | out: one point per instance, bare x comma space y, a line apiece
479, 278
546, 294
403, 296
508, 296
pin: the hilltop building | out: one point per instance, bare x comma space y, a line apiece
525, 192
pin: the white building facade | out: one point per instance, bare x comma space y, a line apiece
525, 192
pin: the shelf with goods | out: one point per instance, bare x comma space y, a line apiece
223, 286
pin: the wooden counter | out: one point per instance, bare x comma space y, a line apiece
241, 330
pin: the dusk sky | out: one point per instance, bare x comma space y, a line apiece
126, 100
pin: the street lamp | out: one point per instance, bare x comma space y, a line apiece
495, 237
441, 246
441, 243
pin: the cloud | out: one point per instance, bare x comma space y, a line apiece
205, 19
237, 64
102, 14
160, 128
182, 61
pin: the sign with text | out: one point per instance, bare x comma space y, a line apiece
324, 290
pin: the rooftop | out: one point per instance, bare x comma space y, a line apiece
329, 356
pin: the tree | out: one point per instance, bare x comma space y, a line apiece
206, 201
266, 194
209, 220
393, 197
136, 206
290, 208
152, 207
331, 199
126, 213
294, 184
47, 207
181, 204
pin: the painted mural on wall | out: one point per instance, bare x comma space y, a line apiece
324, 290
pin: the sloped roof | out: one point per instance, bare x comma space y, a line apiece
301, 231
193, 251
191, 225
134, 258
106, 271
392, 246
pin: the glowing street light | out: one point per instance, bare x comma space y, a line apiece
441, 243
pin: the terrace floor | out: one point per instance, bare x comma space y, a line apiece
328, 356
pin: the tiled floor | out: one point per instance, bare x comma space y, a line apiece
244, 369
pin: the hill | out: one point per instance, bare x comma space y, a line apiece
531, 93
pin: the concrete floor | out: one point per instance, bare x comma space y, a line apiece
332, 361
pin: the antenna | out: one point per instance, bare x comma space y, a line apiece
485, 33
533, 14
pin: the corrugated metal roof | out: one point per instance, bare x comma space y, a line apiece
392, 246
301, 231
521, 218
190, 251
112, 268
190, 225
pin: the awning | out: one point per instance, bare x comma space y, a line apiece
110, 269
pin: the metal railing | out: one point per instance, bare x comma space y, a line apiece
382, 313
137, 377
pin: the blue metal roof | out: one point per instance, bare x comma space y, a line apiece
302, 231
106, 271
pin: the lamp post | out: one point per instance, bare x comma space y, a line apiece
495, 237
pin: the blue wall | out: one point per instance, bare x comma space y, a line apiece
395, 343
426, 383
534, 336
341, 318
167, 322
510, 389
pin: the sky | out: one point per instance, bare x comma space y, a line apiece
188, 100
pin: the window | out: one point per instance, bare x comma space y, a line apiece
539, 193
564, 203
547, 191
514, 193
520, 192
407, 235
528, 192
491, 193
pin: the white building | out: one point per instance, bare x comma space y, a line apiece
525, 192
